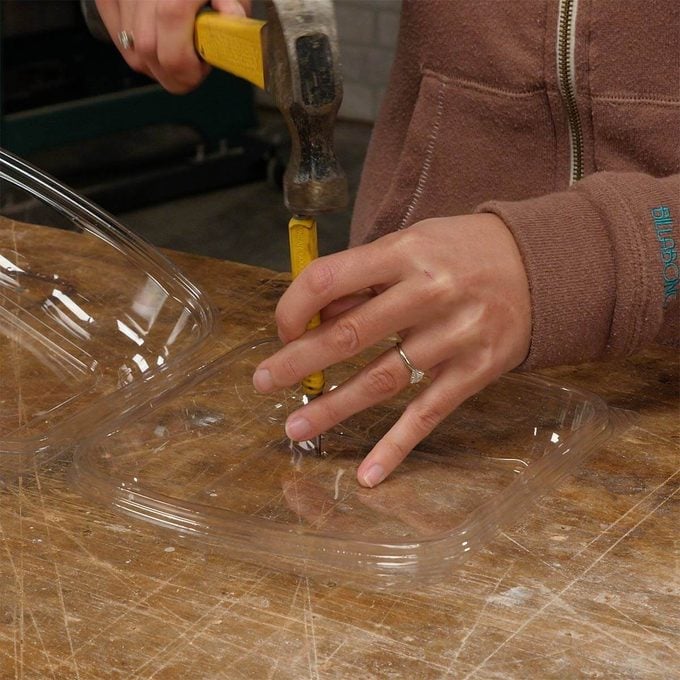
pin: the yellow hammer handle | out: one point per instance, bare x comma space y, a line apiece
303, 249
232, 44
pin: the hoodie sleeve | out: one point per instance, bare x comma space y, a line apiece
602, 264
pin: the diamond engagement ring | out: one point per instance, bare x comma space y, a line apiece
126, 40
416, 374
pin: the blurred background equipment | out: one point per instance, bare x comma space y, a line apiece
199, 172
72, 106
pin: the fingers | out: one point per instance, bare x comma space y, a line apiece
233, 7
380, 380
338, 307
340, 338
115, 14
139, 19
162, 34
455, 383
454, 288
330, 279
109, 11
178, 67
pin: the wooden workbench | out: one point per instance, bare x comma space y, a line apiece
588, 585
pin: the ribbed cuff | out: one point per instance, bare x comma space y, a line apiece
594, 267
570, 268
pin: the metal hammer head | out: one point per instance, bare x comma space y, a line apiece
303, 75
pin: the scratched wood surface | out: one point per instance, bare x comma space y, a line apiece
587, 585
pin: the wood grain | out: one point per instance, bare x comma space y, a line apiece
587, 585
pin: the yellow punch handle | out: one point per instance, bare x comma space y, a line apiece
232, 44
304, 249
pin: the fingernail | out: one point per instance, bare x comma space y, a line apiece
374, 475
298, 428
262, 380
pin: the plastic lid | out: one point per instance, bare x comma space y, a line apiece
84, 314
214, 464
105, 350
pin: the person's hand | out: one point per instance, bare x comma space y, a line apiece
162, 34
454, 289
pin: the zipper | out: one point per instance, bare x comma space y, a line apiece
566, 78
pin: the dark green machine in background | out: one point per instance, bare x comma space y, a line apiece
71, 105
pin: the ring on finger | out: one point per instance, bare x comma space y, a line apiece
126, 40
416, 374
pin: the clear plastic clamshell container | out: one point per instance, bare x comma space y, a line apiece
165, 431
87, 309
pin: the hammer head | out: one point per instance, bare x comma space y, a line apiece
303, 75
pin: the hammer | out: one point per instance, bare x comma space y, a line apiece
294, 56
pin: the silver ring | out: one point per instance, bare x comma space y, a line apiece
416, 374
126, 40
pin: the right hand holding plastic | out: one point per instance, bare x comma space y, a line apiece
163, 37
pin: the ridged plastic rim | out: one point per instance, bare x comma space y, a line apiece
393, 561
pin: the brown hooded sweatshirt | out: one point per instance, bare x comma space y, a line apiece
563, 118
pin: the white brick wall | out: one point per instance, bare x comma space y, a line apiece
367, 33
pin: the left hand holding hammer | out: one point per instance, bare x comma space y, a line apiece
156, 37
